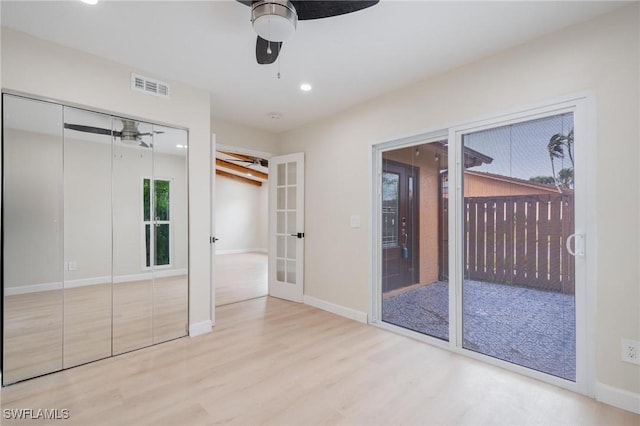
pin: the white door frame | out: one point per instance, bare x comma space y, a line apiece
212, 232
583, 107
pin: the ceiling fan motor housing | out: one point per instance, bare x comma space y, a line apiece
129, 132
274, 20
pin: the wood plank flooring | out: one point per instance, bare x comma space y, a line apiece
239, 277
269, 361
49, 330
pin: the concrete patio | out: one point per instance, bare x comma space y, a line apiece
532, 328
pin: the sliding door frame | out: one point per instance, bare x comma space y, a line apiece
582, 105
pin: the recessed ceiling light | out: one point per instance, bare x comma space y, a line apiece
91, 2
305, 87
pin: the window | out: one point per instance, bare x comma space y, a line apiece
158, 242
390, 185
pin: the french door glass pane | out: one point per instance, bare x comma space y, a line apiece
518, 290
414, 240
161, 198
146, 189
162, 244
286, 223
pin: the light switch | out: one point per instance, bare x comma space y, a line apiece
355, 221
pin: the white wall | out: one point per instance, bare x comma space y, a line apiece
241, 216
34, 66
599, 55
244, 137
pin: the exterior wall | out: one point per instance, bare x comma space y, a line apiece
486, 186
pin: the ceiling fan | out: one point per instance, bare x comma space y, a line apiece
276, 20
128, 135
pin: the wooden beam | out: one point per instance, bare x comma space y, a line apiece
238, 178
241, 169
238, 156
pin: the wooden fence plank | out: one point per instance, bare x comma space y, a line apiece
544, 217
473, 238
555, 246
568, 228
491, 240
533, 203
509, 239
481, 232
520, 230
500, 240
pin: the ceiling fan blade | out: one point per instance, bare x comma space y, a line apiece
155, 132
89, 129
262, 55
324, 9
246, 2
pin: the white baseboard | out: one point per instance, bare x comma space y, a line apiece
335, 309
239, 251
33, 288
199, 328
617, 397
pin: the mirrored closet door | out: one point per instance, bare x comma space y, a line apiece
95, 223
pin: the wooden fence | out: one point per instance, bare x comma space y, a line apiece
520, 240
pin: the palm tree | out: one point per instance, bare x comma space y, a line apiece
556, 146
556, 150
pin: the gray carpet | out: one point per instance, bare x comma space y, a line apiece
532, 328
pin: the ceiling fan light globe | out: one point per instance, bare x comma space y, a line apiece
274, 20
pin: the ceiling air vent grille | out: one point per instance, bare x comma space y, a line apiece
149, 85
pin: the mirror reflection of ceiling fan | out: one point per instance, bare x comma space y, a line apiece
276, 20
128, 135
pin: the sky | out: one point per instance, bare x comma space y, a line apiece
520, 150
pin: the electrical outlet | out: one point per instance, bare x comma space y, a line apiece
73, 265
631, 351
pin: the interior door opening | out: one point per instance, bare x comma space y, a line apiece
241, 223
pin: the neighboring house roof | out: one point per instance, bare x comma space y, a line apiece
522, 182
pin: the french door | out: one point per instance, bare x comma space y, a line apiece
286, 227
501, 219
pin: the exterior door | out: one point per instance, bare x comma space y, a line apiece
286, 226
399, 225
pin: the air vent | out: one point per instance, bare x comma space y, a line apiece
149, 85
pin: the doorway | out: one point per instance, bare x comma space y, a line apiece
241, 217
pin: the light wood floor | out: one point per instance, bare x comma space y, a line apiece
274, 362
49, 330
240, 277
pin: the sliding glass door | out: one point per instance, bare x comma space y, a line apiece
518, 295
481, 240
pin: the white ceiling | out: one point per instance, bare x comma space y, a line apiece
347, 59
